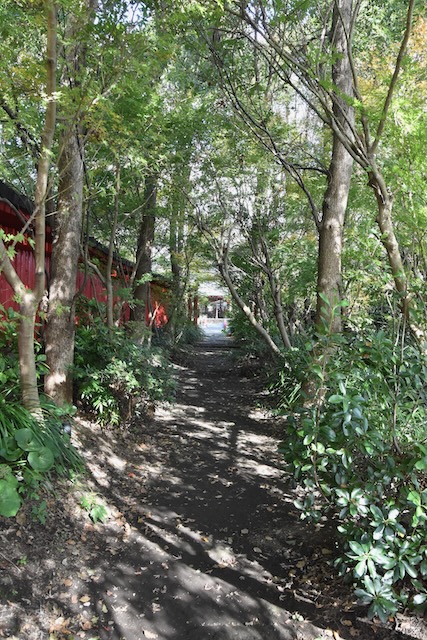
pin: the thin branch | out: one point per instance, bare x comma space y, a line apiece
27, 139
387, 103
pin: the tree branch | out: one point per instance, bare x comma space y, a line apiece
387, 103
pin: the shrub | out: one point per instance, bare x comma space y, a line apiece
249, 340
112, 373
190, 334
359, 450
30, 450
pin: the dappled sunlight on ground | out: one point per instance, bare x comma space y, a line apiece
202, 540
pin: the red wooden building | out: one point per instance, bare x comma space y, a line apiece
15, 210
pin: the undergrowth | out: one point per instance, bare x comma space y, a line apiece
113, 374
32, 449
358, 447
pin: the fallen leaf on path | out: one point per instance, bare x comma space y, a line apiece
60, 625
86, 625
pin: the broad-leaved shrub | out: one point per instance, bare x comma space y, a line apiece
358, 447
112, 373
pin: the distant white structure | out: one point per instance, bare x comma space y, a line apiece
217, 305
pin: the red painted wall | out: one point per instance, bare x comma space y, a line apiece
93, 288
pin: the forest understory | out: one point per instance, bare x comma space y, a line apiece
201, 538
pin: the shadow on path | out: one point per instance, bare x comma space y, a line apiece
213, 547
202, 542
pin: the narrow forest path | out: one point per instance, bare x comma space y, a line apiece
203, 541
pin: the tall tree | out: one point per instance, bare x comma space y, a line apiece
301, 66
67, 222
143, 276
29, 300
331, 225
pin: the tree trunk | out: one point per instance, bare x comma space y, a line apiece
223, 269
109, 266
60, 329
144, 251
278, 311
176, 248
328, 312
30, 300
276, 296
388, 237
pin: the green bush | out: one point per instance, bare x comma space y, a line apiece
30, 449
249, 340
112, 373
190, 334
9, 361
359, 450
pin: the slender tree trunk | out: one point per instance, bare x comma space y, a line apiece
108, 269
176, 242
278, 311
388, 236
144, 251
260, 305
328, 312
223, 269
60, 328
276, 296
30, 300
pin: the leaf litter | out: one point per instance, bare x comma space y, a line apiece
178, 559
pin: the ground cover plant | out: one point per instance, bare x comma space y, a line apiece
33, 447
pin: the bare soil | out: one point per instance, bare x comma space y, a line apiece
202, 540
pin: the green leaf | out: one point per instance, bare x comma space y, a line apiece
9, 498
41, 460
25, 439
376, 512
420, 598
10, 451
329, 433
414, 497
335, 399
421, 465
324, 298
360, 568
357, 548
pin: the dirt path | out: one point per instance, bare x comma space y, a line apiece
202, 541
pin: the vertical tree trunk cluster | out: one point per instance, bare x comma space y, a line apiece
60, 326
